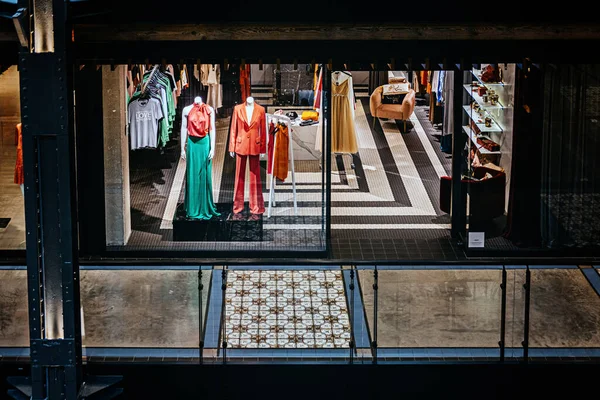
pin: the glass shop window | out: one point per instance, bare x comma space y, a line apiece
12, 205
213, 157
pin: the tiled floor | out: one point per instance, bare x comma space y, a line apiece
286, 309
11, 198
391, 193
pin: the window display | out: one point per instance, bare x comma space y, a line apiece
204, 161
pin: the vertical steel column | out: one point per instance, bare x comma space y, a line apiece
327, 151
46, 78
502, 342
458, 204
200, 319
48, 155
223, 313
352, 336
375, 303
525, 343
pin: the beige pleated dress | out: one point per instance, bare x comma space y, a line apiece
343, 134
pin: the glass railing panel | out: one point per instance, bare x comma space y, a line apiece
14, 314
131, 309
434, 314
564, 313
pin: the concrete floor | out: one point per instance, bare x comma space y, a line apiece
461, 308
120, 308
417, 308
11, 199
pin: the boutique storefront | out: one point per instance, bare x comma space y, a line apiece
218, 193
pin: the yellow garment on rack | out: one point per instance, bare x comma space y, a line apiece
343, 135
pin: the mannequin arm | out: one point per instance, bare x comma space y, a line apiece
213, 134
184, 115
233, 134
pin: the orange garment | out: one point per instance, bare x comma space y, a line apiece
248, 137
245, 81
424, 78
198, 123
282, 143
19, 174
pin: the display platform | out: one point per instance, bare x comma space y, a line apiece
219, 229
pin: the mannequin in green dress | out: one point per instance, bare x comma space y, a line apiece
198, 148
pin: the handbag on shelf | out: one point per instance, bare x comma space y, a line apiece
488, 144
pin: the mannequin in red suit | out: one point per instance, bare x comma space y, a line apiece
247, 141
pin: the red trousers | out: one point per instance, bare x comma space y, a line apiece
257, 203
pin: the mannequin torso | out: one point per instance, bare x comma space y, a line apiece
184, 127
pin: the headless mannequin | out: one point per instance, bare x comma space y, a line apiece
249, 111
184, 131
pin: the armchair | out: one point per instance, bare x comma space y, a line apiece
394, 111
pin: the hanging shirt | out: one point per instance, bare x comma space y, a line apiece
144, 115
198, 123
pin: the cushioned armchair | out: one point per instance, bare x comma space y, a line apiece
401, 111
486, 196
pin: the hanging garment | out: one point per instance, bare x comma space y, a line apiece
248, 139
184, 77
19, 172
281, 156
245, 82
144, 115
271, 146
210, 76
232, 91
448, 113
198, 120
318, 91
198, 201
343, 134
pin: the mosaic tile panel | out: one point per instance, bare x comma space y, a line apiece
286, 309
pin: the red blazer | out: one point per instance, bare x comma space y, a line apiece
248, 138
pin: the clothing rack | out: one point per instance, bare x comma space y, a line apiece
272, 201
145, 84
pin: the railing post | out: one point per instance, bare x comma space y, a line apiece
223, 312
502, 341
375, 301
352, 337
525, 343
200, 317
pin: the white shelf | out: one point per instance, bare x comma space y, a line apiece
479, 99
473, 137
477, 74
475, 116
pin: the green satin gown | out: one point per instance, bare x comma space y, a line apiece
198, 201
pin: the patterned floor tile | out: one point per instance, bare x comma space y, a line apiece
286, 309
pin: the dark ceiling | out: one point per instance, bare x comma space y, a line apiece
319, 11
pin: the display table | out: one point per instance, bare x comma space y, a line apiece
304, 141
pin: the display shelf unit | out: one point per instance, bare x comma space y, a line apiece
479, 120
477, 74
473, 138
479, 99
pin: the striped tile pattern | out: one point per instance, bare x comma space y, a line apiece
389, 189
